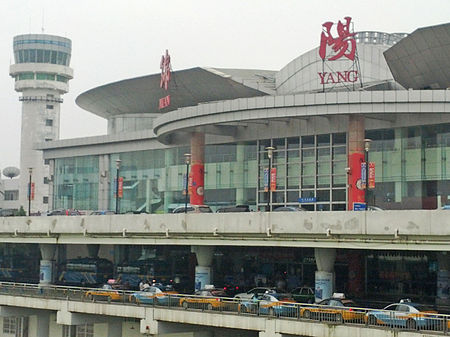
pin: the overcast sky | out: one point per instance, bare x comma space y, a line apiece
114, 40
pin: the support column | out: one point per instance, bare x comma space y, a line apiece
197, 174
239, 174
325, 276
443, 279
46, 276
115, 328
39, 324
356, 132
203, 271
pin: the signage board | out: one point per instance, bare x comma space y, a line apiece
363, 175
30, 191
359, 206
307, 200
273, 179
371, 175
266, 180
120, 190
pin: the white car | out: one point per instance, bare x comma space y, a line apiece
258, 291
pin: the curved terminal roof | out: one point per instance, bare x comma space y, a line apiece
421, 60
187, 88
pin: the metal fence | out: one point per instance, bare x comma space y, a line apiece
370, 318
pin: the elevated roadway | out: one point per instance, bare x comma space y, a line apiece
71, 308
384, 230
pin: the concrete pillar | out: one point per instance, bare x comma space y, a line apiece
46, 271
115, 328
239, 174
356, 135
39, 325
443, 278
197, 172
325, 276
203, 271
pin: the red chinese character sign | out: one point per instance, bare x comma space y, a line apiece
343, 44
165, 70
338, 44
165, 79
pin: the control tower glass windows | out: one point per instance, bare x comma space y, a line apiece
26, 76
42, 56
44, 76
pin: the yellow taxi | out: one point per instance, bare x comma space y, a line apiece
206, 299
105, 293
337, 309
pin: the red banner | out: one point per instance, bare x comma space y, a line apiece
31, 191
196, 184
120, 189
273, 178
371, 175
356, 190
164, 102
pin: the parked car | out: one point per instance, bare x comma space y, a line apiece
106, 292
193, 209
209, 299
272, 304
64, 212
156, 294
303, 294
103, 212
289, 209
337, 308
233, 209
405, 314
258, 291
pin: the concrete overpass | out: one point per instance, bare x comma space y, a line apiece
51, 308
382, 230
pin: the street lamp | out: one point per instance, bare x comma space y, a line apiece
269, 192
30, 171
366, 159
187, 160
118, 161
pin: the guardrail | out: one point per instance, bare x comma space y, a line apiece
370, 318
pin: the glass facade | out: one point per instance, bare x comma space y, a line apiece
411, 172
76, 183
306, 167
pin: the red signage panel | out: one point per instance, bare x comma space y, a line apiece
371, 175
164, 102
343, 44
273, 179
120, 189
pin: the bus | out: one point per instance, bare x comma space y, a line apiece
85, 272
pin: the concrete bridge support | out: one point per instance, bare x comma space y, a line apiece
325, 276
46, 269
203, 269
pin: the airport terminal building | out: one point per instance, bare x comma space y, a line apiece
315, 113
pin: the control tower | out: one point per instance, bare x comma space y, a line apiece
42, 73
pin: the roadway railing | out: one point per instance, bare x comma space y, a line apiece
430, 322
